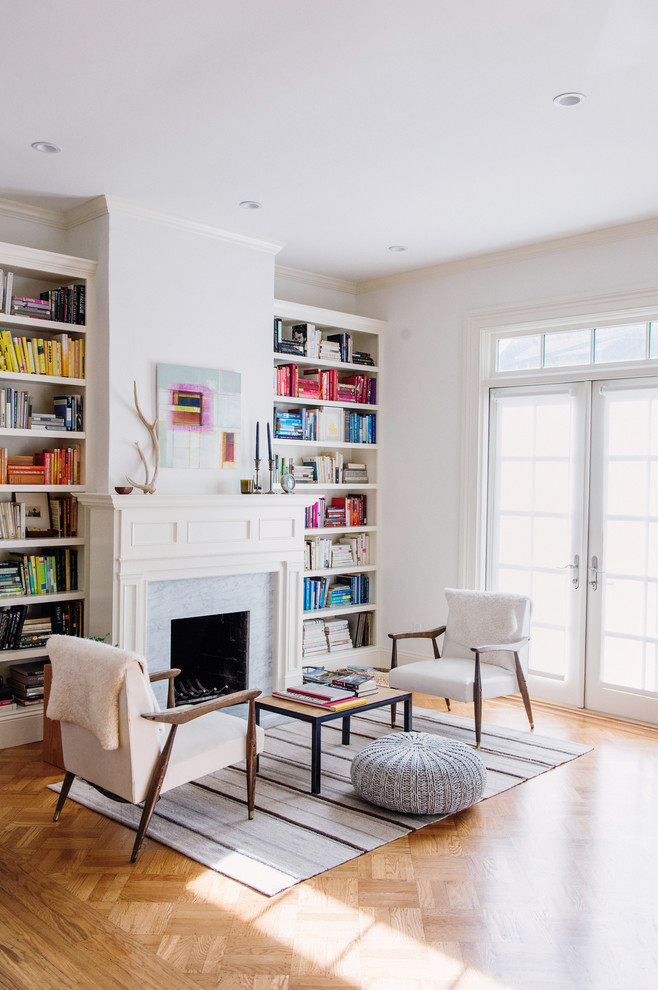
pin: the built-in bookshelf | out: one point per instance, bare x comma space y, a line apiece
325, 429
44, 303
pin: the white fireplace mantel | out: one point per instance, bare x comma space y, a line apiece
137, 539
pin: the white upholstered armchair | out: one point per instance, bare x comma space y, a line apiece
115, 736
485, 652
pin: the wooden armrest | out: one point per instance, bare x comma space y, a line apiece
429, 634
163, 675
167, 675
178, 716
500, 647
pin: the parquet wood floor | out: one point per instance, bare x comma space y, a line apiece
549, 885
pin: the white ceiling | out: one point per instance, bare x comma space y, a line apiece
356, 123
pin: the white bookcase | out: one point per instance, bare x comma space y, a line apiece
364, 337
35, 272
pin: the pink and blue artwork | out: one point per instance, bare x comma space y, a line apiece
199, 417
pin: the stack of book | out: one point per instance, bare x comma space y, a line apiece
26, 682
341, 555
354, 473
362, 357
358, 545
361, 684
46, 421
330, 350
344, 342
330, 698
360, 680
339, 594
338, 635
35, 632
26, 306
314, 639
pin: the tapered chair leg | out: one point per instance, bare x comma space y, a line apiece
523, 688
394, 711
477, 701
447, 701
251, 759
63, 794
153, 792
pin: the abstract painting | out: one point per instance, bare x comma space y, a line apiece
199, 417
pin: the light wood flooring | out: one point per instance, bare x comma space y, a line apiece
553, 884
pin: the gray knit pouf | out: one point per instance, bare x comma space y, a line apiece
419, 773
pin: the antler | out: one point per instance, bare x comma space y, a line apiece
149, 487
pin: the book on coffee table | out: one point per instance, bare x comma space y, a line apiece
329, 698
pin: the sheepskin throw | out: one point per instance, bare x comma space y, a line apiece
87, 679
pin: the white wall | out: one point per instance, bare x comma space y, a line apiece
421, 393
316, 291
179, 297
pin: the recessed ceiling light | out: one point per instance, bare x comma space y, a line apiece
569, 99
250, 204
46, 147
398, 247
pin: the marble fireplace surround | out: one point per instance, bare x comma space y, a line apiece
151, 558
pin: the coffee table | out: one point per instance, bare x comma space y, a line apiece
316, 716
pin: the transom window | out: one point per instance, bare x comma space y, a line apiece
581, 348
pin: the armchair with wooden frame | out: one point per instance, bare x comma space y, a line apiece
116, 738
485, 652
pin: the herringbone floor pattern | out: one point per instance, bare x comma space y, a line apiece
550, 885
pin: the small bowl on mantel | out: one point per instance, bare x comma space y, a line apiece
123, 489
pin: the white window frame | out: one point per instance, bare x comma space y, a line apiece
481, 331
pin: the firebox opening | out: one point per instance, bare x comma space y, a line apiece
212, 653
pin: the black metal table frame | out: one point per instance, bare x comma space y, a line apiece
316, 717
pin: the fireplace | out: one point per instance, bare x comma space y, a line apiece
162, 558
212, 652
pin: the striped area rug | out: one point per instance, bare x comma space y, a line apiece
295, 835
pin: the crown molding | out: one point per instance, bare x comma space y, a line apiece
572, 242
106, 205
312, 278
33, 214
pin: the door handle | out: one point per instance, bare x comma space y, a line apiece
575, 580
594, 571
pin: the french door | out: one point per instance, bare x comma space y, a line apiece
573, 522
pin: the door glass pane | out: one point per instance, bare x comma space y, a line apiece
531, 521
629, 563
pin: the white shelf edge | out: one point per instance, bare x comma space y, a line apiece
13, 431
319, 613
55, 596
324, 530
47, 541
313, 403
24, 376
352, 569
322, 444
34, 323
308, 362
